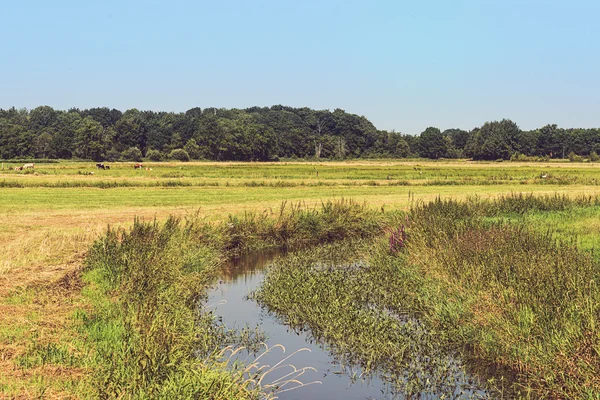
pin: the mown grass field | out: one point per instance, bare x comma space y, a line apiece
49, 218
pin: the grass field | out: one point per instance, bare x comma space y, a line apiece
49, 218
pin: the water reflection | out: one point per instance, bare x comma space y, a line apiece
327, 378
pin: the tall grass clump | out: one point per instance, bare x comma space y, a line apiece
513, 203
295, 225
149, 335
518, 298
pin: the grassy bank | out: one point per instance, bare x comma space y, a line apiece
147, 331
518, 302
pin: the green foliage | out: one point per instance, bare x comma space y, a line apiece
522, 157
113, 155
346, 303
260, 133
180, 155
154, 155
494, 140
152, 336
518, 303
89, 140
192, 148
432, 144
529, 302
132, 154
575, 158
149, 335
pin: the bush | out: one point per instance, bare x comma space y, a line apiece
154, 155
192, 148
522, 157
594, 156
132, 154
574, 157
113, 155
179, 154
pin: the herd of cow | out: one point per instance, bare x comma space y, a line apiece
135, 166
98, 166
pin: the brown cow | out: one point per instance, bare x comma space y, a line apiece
138, 166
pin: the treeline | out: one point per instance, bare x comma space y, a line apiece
263, 134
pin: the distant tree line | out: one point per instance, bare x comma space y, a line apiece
263, 134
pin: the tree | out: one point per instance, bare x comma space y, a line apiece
494, 140
43, 145
432, 143
131, 131
192, 149
458, 137
88, 140
63, 140
41, 118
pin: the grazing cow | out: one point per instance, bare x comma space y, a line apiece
18, 168
30, 165
100, 166
138, 166
106, 167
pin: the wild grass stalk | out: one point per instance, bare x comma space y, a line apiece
150, 335
518, 297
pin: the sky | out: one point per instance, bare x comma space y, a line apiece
405, 65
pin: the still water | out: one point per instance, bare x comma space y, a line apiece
228, 300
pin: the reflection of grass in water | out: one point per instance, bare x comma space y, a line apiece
272, 380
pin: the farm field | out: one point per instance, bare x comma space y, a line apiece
50, 216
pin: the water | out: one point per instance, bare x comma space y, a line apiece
328, 380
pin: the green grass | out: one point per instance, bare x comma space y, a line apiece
360, 172
146, 330
514, 298
51, 215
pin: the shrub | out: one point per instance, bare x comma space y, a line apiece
192, 148
522, 157
113, 155
179, 154
574, 157
132, 154
154, 155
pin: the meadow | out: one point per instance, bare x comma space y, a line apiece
61, 301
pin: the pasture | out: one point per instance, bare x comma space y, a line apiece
50, 215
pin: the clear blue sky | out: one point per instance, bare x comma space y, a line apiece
405, 65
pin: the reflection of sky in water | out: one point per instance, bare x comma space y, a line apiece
228, 300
